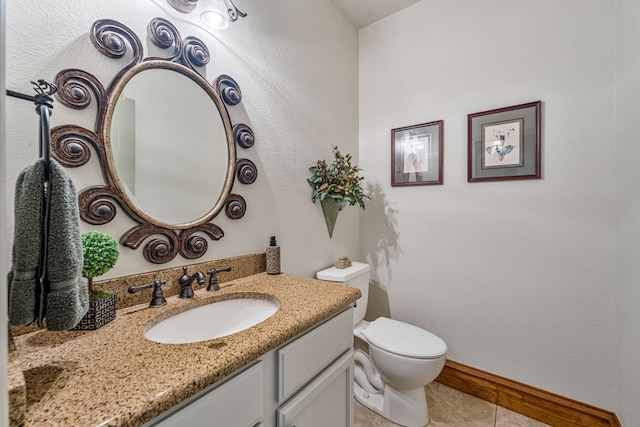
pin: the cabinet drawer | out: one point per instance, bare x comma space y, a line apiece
237, 402
309, 354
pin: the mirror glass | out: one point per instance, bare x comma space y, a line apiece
168, 146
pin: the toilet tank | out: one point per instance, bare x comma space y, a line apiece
356, 276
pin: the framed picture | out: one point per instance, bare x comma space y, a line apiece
504, 143
416, 154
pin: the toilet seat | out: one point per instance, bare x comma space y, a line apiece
404, 340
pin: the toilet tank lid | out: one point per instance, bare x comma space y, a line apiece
334, 274
404, 339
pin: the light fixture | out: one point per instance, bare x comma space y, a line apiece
213, 14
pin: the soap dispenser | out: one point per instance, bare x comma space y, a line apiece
273, 256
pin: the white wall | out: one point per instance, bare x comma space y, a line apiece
627, 379
296, 63
516, 277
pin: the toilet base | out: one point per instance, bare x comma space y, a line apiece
407, 407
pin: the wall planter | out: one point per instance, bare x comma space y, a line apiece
330, 209
336, 184
100, 313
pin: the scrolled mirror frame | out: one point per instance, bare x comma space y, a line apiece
70, 144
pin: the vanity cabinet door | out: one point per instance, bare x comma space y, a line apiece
326, 401
237, 402
308, 355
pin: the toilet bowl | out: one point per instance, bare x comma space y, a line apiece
400, 360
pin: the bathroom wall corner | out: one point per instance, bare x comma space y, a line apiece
4, 398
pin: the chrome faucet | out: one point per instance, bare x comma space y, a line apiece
186, 291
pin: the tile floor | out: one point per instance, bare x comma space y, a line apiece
451, 408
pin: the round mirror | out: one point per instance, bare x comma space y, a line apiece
169, 145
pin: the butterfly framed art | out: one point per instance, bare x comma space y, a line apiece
505, 143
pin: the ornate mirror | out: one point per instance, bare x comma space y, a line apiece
164, 140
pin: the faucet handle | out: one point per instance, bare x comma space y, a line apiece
213, 279
157, 298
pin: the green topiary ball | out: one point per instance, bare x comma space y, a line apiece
100, 253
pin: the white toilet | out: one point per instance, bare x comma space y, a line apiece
402, 358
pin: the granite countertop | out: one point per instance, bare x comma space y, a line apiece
115, 377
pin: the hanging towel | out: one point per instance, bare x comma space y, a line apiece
26, 245
67, 299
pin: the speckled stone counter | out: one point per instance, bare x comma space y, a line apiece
115, 377
16, 387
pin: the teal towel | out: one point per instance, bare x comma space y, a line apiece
67, 300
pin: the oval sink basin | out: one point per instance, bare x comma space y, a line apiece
212, 321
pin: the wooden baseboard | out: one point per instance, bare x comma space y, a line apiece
532, 402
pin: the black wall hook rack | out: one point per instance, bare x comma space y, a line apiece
44, 104
44, 90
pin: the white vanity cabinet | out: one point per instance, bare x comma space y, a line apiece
306, 382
